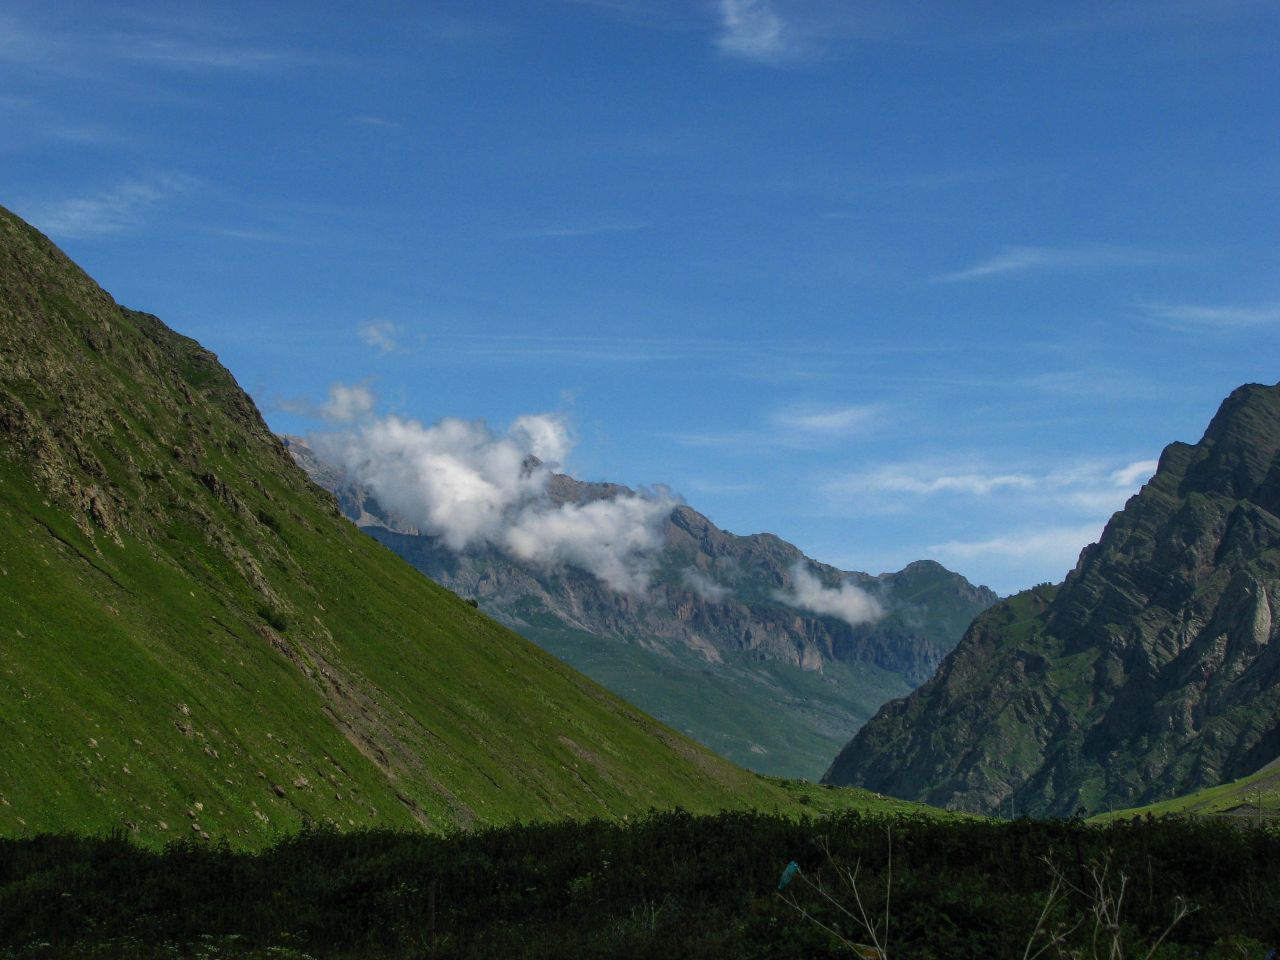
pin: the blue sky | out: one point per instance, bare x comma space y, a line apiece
889, 280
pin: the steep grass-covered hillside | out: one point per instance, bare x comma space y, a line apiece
194, 641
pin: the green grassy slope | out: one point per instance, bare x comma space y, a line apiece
1252, 798
194, 641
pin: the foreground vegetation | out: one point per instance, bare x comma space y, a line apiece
668, 885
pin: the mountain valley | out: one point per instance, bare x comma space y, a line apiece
717, 645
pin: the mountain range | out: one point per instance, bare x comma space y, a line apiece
718, 644
1152, 671
195, 641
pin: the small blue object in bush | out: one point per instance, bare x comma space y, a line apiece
789, 874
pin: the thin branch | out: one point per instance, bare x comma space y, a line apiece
1055, 891
888, 886
808, 916
1179, 914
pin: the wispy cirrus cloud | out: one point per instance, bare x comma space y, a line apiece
382, 335
115, 210
185, 54
1052, 546
1084, 488
1007, 525
971, 484
721, 488
452, 29
20, 42
562, 231
250, 234
825, 421
731, 439
752, 30
169, 43
1023, 259
1095, 382
1219, 316
792, 428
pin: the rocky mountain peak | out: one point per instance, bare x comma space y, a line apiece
1152, 671
1238, 454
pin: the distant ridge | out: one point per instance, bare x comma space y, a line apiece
1153, 671
712, 647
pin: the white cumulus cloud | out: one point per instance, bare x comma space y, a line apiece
546, 437
348, 403
703, 585
470, 486
613, 539
848, 602
1137, 472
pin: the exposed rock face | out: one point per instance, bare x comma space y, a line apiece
1152, 671
118, 466
927, 605
713, 594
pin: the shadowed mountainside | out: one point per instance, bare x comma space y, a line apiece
1153, 671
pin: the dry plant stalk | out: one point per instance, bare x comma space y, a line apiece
876, 930
1104, 896
1106, 902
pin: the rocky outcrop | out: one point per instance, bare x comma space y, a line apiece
1152, 671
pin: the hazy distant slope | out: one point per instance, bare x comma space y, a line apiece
194, 640
711, 646
1153, 671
